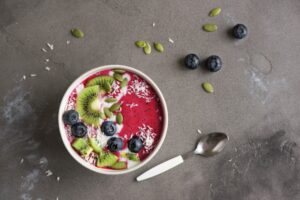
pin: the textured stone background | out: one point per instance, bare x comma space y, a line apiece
256, 99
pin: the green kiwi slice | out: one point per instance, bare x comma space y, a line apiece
119, 165
95, 145
104, 82
87, 105
133, 156
82, 146
106, 159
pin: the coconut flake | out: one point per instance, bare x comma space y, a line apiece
24, 77
22, 160
58, 179
51, 46
68, 41
47, 60
147, 135
171, 41
43, 50
199, 131
33, 75
47, 68
153, 24
48, 173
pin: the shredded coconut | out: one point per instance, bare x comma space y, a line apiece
153, 24
33, 75
22, 160
147, 135
43, 49
68, 41
141, 89
131, 105
58, 179
47, 60
171, 41
48, 173
47, 68
51, 46
24, 77
199, 131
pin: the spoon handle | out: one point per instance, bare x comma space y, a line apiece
161, 168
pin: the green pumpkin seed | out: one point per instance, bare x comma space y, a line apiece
102, 115
215, 12
120, 71
119, 118
159, 47
106, 86
210, 27
208, 87
118, 77
115, 107
147, 48
110, 100
77, 33
124, 82
107, 112
140, 43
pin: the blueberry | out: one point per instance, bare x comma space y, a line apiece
240, 31
79, 130
214, 63
108, 128
191, 61
115, 144
70, 117
135, 144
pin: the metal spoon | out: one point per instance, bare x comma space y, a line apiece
208, 145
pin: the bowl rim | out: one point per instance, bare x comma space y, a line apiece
62, 129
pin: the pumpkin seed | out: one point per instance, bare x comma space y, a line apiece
210, 27
118, 77
159, 47
215, 12
110, 100
140, 43
107, 112
119, 118
115, 107
102, 115
106, 86
124, 82
147, 48
77, 33
208, 87
120, 71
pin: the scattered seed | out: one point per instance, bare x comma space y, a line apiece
115, 107
110, 100
47, 68
106, 87
22, 160
51, 46
140, 43
208, 87
215, 12
77, 33
147, 49
44, 50
171, 41
118, 77
102, 115
58, 179
159, 47
33, 75
119, 118
124, 82
107, 112
48, 173
68, 41
120, 71
210, 27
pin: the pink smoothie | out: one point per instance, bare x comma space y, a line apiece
141, 109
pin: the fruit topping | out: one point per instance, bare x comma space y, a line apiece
135, 144
108, 128
115, 144
240, 31
214, 63
79, 130
82, 146
106, 159
71, 117
192, 61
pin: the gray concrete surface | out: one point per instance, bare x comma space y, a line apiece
256, 99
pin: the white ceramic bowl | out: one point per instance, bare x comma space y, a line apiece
64, 135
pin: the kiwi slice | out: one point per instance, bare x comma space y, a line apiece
106, 159
119, 165
82, 146
133, 156
95, 145
104, 82
87, 105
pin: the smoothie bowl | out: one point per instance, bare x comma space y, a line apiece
113, 119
